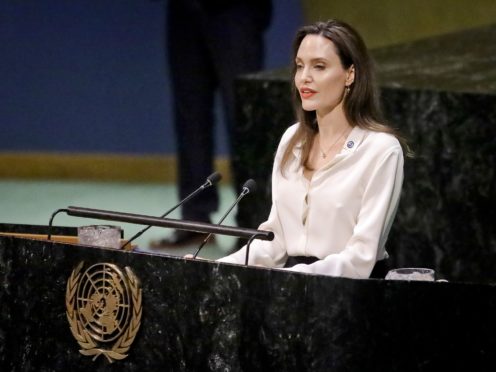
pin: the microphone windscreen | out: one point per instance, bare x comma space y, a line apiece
251, 185
214, 178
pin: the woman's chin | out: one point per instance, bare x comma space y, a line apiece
308, 107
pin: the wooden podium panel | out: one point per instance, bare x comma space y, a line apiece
37, 232
55, 238
208, 316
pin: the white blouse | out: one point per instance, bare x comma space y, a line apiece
342, 216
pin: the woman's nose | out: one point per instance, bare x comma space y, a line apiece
305, 75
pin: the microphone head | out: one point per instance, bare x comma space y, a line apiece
214, 178
250, 186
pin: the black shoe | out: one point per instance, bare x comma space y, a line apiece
180, 238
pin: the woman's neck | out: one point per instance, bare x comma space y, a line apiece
332, 123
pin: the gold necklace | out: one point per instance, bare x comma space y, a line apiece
324, 153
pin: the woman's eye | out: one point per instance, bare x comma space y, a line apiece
319, 67
299, 66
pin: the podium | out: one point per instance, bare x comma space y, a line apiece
208, 316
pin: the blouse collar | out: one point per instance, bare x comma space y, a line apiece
353, 141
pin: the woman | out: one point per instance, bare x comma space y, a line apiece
337, 174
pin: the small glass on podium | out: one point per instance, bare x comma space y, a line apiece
106, 236
411, 273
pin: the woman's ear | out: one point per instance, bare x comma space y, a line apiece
351, 75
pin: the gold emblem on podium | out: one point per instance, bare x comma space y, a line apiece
103, 309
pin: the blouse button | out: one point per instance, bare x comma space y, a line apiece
350, 144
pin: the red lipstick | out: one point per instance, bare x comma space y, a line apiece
307, 93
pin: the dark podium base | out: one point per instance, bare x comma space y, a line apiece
206, 316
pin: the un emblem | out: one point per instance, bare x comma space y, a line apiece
103, 309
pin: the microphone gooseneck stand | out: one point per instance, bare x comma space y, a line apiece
211, 180
252, 238
50, 223
248, 186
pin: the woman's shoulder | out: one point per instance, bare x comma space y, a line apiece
285, 140
288, 135
381, 141
289, 132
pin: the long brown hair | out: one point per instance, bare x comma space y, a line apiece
361, 104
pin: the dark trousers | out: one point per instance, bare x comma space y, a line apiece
378, 272
208, 49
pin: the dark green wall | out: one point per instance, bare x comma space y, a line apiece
385, 22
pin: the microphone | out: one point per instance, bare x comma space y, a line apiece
248, 186
211, 180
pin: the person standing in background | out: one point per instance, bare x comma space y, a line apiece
210, 43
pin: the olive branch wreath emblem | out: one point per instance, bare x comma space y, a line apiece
89, 346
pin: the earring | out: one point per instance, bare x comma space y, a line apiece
346, 90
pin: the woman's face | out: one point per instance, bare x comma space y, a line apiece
320, 78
